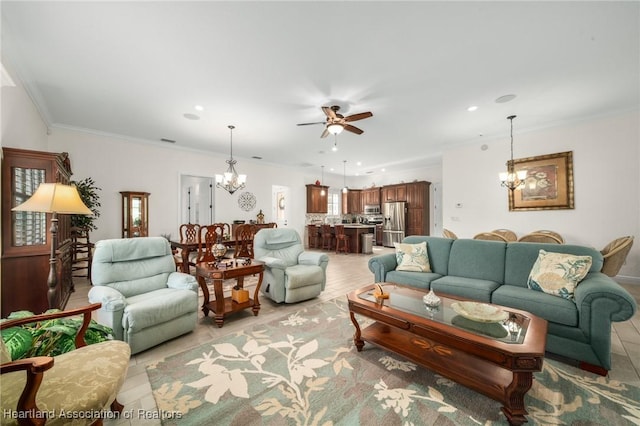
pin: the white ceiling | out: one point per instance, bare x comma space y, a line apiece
135, 69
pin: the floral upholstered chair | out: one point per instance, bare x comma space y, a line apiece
85, 380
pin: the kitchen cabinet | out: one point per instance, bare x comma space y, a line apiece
370, 197
135, 214
26, 239
316, 201
417, 208
351, 202
394, 193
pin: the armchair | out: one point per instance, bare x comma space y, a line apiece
84, 380
291, 274
143, 299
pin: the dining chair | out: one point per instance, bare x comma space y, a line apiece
312, 234
449, 234
342, 240
614, 254
539, 237
327, 236
188, 233
491, 236
552, 233
244, 240
81, 251
208, 237
508, 234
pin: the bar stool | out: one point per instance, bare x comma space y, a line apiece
342, 240
325, 231
312, 230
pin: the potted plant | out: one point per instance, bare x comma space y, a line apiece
50, 337
89, 196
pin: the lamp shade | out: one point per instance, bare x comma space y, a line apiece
335, 128
54, 198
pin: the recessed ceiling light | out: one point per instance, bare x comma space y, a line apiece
383, 170
190, 116
199, 108
472, 108
359, 163
505, 98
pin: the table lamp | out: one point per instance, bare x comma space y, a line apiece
54, 198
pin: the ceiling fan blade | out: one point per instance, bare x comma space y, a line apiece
359, 116
329, 112
308, 124
353, 129
325, 133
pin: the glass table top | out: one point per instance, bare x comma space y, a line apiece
510, 330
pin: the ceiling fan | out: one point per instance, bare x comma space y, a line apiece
336, 122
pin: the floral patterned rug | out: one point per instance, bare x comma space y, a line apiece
303, 369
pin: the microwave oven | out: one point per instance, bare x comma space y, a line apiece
371, 209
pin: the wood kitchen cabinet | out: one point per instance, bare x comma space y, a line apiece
394, 193
370, 197
417, 208
26, 237
351, 202
316, 202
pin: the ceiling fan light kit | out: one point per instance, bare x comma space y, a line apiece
231, 181
336, 122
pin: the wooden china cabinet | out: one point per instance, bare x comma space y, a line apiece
26, 239
135, 214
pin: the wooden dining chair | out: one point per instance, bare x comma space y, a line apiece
342, 240
188, 233
313, 234
208, 237
552, 233
538, 237
244, 240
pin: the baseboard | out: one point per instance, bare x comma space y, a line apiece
622, 279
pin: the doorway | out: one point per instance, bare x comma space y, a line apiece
196, 199
279, 204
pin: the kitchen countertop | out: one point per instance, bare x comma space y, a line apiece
353, 225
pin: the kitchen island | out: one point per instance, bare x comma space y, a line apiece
354, 231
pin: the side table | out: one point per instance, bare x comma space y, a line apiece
223, 306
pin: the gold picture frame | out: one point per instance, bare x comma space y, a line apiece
548, 185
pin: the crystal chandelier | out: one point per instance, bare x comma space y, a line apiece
510, 179
231, 181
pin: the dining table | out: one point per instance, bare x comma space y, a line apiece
191, 246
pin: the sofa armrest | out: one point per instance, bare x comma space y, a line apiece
183, 281
601, 298
382, 264
112, 300
312, 258
273, 262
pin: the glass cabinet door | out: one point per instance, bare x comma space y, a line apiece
135, 214
29, 228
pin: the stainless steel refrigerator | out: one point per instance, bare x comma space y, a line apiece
394, 214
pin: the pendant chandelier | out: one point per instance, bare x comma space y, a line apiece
344, 177
510, 179
231, 181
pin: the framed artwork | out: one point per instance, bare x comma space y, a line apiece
548, 185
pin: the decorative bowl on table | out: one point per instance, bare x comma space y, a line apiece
480, 312
431, 300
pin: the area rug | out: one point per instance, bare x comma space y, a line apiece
303, 369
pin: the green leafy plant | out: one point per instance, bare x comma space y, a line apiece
49, 337
89, 196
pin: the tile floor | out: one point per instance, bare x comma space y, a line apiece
345, 273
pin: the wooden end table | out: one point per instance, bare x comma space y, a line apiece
497, 364
225, 306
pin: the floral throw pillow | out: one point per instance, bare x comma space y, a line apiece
558, 273
412, 257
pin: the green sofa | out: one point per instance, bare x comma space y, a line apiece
497, 272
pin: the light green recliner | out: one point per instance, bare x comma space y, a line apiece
143, 299
291, 274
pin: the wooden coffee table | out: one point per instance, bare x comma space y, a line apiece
498, 364
224, 306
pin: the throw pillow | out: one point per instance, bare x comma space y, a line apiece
558, 273
412, 257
